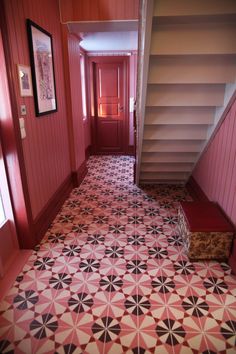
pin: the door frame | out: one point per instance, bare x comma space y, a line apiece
12, 146
92, 61
144, 42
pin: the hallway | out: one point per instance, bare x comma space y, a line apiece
111, 276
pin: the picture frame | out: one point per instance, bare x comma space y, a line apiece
25, 81
42, 65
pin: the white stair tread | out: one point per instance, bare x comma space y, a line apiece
172, 145
205, 38
166, 167
179, 115
193, 7
192, 69
195, 132
163, 176
168, 157
185, 95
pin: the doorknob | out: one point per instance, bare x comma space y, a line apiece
121, 109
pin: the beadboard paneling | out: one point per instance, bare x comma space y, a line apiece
45, 148
215, 173
76, 100
98, 10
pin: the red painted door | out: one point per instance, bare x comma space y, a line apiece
110, 101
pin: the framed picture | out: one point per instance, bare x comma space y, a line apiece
43, 77
25, 82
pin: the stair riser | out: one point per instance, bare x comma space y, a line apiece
192, 69
185, 95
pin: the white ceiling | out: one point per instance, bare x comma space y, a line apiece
107, 35
103, 41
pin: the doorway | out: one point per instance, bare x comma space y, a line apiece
8, 237
109, 101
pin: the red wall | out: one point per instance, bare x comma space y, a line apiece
76, 102
45, 148
98, 10
215, 173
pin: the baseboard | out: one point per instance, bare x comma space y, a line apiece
88, 152
232, 258
78, 176
131, 150
16, 264
195, 191
49, 212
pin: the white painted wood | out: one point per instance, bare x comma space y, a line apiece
176, 132
166, 167
185, 95
204, 38
163, 176
179, 115
172, 145
193, 7
145, 30
192, 61
184, 69
167, 157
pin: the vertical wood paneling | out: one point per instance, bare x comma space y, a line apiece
46, 152
215, 173
76, 99
98, 10
87, 121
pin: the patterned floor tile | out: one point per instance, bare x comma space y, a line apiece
111, 276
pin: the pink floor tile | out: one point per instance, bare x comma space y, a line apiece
111, 276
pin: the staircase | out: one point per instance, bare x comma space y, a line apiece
191, 78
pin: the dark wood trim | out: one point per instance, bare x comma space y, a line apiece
195, 191
50, 210
88, 152
131, 150
232, 258
78, 176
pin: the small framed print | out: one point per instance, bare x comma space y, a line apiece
25, 82
42, 64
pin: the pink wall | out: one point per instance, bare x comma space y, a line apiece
87, 121
215, 173
76, 103
132, 93
45, 148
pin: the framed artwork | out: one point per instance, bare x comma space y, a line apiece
25, 82
43, 77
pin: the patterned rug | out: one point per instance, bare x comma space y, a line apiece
111, 276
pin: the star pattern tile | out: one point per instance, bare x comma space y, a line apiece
111, 276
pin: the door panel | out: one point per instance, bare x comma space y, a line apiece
110, 135
110, 100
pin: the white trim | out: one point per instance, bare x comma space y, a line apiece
145, 30
100, 21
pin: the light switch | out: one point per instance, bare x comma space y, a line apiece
23, 133
22, 128
22, 122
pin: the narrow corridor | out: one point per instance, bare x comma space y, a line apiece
111, 276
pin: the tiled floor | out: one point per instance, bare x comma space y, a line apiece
111, 276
